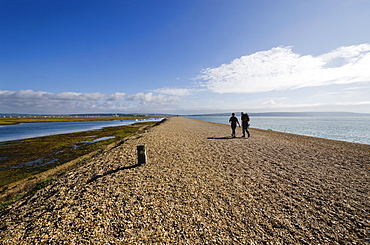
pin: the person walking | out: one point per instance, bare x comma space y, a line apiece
233, 120
245, 123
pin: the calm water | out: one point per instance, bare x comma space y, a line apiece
351, 129
30, 130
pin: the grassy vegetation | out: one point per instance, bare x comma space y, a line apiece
17, 120
24, 159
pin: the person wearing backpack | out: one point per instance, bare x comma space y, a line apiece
245, 123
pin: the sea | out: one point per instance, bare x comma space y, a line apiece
350, 129
31, 130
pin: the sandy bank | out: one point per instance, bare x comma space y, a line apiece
200, 186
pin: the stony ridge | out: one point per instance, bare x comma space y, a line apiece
202, 187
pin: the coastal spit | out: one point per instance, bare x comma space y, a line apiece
200, 186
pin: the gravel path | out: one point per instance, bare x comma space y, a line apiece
200, 186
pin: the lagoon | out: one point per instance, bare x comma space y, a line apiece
31, 130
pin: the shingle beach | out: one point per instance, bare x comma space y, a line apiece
200, 186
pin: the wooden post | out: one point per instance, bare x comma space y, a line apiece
141, 154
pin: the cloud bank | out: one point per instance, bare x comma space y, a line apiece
281, 69
29, 101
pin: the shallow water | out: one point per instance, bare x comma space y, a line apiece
350, 129
30, 130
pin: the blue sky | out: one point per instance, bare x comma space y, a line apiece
184, 56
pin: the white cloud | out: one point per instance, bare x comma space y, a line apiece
361, 107
38, 95
274, 101
176, 91
152, 98
24, 94
358, 88
117, 96
78, 96
281, 69
29, 101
